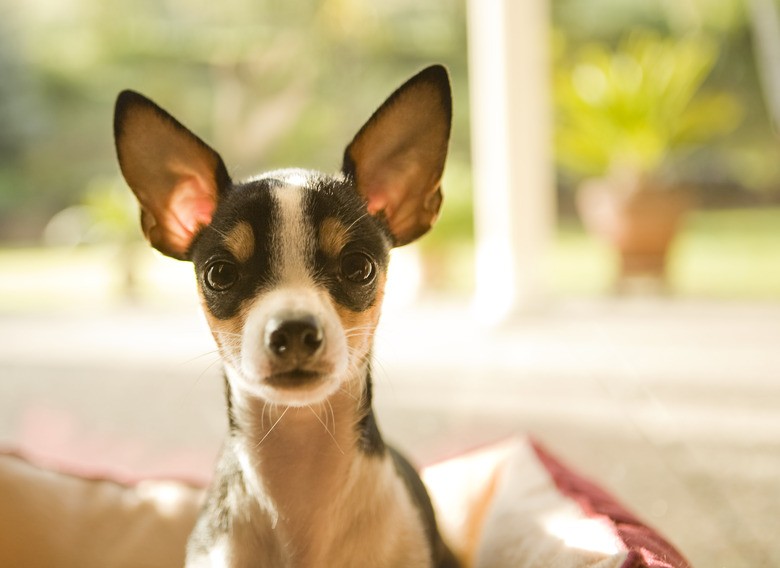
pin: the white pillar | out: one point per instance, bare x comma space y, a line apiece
509, 71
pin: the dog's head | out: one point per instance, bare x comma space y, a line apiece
291, 265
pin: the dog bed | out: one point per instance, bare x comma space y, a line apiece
508, 505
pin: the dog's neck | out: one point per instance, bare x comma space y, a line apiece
305, 461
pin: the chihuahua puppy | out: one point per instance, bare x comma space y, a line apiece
291, 268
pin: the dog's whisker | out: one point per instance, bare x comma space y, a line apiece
356, 221
357, 333
332, 415
272, 427
217, 360
262, 414
220, 232
349, 394
320, 406
201, 356
359, 328
222, 332
327, 414
211, 365
332, 437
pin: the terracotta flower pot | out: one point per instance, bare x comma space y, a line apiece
640, 221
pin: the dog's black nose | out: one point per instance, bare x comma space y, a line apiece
293, 337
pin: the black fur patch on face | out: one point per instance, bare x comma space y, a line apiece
252, 203
327, 199
336, 199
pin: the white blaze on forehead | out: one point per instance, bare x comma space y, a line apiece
293, 237
296, 177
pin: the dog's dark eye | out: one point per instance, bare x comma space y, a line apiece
357, 267
221, 275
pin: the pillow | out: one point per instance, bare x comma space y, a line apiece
52, 519
513, 505
507, 505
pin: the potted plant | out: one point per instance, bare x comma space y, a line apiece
624, 116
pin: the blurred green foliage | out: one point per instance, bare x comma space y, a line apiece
639, 105
735, 169
269, 83
275, 83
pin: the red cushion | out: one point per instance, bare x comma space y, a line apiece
647, 548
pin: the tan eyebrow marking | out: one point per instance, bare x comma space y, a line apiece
333, 236
240, 241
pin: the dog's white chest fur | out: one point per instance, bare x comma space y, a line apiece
368, 521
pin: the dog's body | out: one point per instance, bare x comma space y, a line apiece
291, 269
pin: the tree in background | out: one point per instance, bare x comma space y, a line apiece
272, 83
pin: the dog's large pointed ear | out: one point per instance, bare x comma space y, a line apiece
397, 158
176, 177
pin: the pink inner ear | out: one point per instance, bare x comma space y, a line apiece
377, 201
386, 191
192, 204
190, 207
